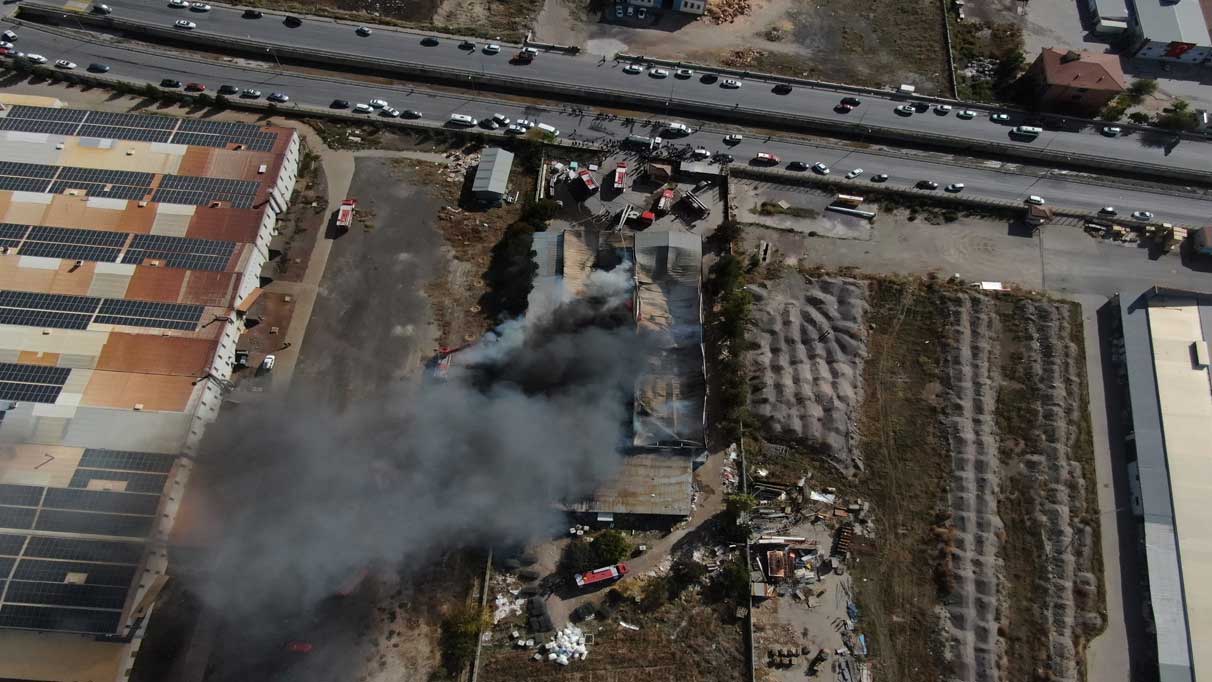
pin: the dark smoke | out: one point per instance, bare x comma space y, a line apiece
533, 416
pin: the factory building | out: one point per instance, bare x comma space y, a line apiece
129, 244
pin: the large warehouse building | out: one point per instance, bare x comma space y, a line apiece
128, 244
1165, 337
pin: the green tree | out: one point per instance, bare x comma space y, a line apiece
1178, 120
1114, 110
578, 556
610, 547
460, 634
733, 582
734, 522
686, 572
1142, 88
1139, 118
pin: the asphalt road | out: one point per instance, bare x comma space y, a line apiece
986, 179
592, 72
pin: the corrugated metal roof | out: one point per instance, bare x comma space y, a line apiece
644, 484
1167, 21
492, 175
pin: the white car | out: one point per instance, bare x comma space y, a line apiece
268, 363
1000, 118
501, 119
966, 114
684, 73
363, 31
905, 110
178, 4
199, 7
658, 73
1112, 131
185, 24
1143, 216
942, 108
378, 103
734, 138
250, 93
1035, 200
955, 187
515, 129
492, 48
701, 153
64, 64
6, 45
730, 83
632, 68
280, 97
525, 123
360, 108
854, 173
35, 58
389, 112
820, 168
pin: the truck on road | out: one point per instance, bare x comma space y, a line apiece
345, 214
620, 176
601, 575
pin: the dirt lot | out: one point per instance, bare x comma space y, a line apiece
882, 42
508, 19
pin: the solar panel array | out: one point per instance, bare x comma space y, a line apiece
107, 247
61, 311
31, 383
65, 584
138, 127
127, 185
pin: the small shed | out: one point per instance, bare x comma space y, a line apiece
492, 175
1039, 215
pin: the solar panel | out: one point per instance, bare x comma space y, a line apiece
24, 185
27, 170
10, 243
60, 619
200, 184
56, 302
29, 393
146, 322
45, 127
11, 544
150, 309
115, 118
38, 318
132, 134
47, 113
195, 125
127, 461
93, 189
135, 483
17, 517
71, 235
65, 594
168, 244
13, 230
56, 572
100, 501
34, 374
106, 176
88, 523
6, 567
20, 495
67, 549
97, 254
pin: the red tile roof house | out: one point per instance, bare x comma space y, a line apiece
1068, 80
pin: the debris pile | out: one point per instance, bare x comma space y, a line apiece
727, 11
458, 163
744, 57
567, 646
506, 606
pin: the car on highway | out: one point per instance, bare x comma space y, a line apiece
515, 129
820, 168
525, 123
708, 78
9, 37
64, 64
965, 114
843, 108
851, 101
926, 184
252, 14
378, 103
199, 7
195, 87
1112, 131
410, 113
765, 159
226, 89
797, 166
734, 138
100, 8
683, 73
942, 109
879, 177
278, 97
389, 112
701, 153
731, 83
185, 24
1000, 118
462, 120
1034, 200
1143, 216
292, 21
905, 110
98, 67
854, 173
632, 68
782, 89
363, 31
337, 103
724, 158
6, 45
170, 83
361, 108
501, 119
429, 41
492, 48
955, 187
489, 124
677, 129
657, 72
34, 57
250, 93
178, 4
467, 45
1108, 211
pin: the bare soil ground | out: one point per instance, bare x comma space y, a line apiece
508, 19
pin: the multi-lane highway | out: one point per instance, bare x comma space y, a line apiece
986, 179
594, 72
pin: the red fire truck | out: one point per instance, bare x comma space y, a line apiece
345, 214
620, 176
601, 575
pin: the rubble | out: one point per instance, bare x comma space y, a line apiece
567, 646
744, 57
727, 11
504, 607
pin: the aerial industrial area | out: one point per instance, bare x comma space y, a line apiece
514, 340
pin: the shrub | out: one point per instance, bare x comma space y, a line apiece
460, 634
611, 547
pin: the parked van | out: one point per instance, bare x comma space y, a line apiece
1027, 131
550, 130
462, 120
675, 128
643, 141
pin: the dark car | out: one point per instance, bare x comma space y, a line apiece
851, 101
927, 184
921, 107
782, 89
429, 41
252, 14
228, 89
843, 108
170, 83
467, 45
195, 87
97, 67
708, 78
797, 166
723, 158
293, 22
339, 104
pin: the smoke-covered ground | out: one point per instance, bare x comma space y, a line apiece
532, 415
